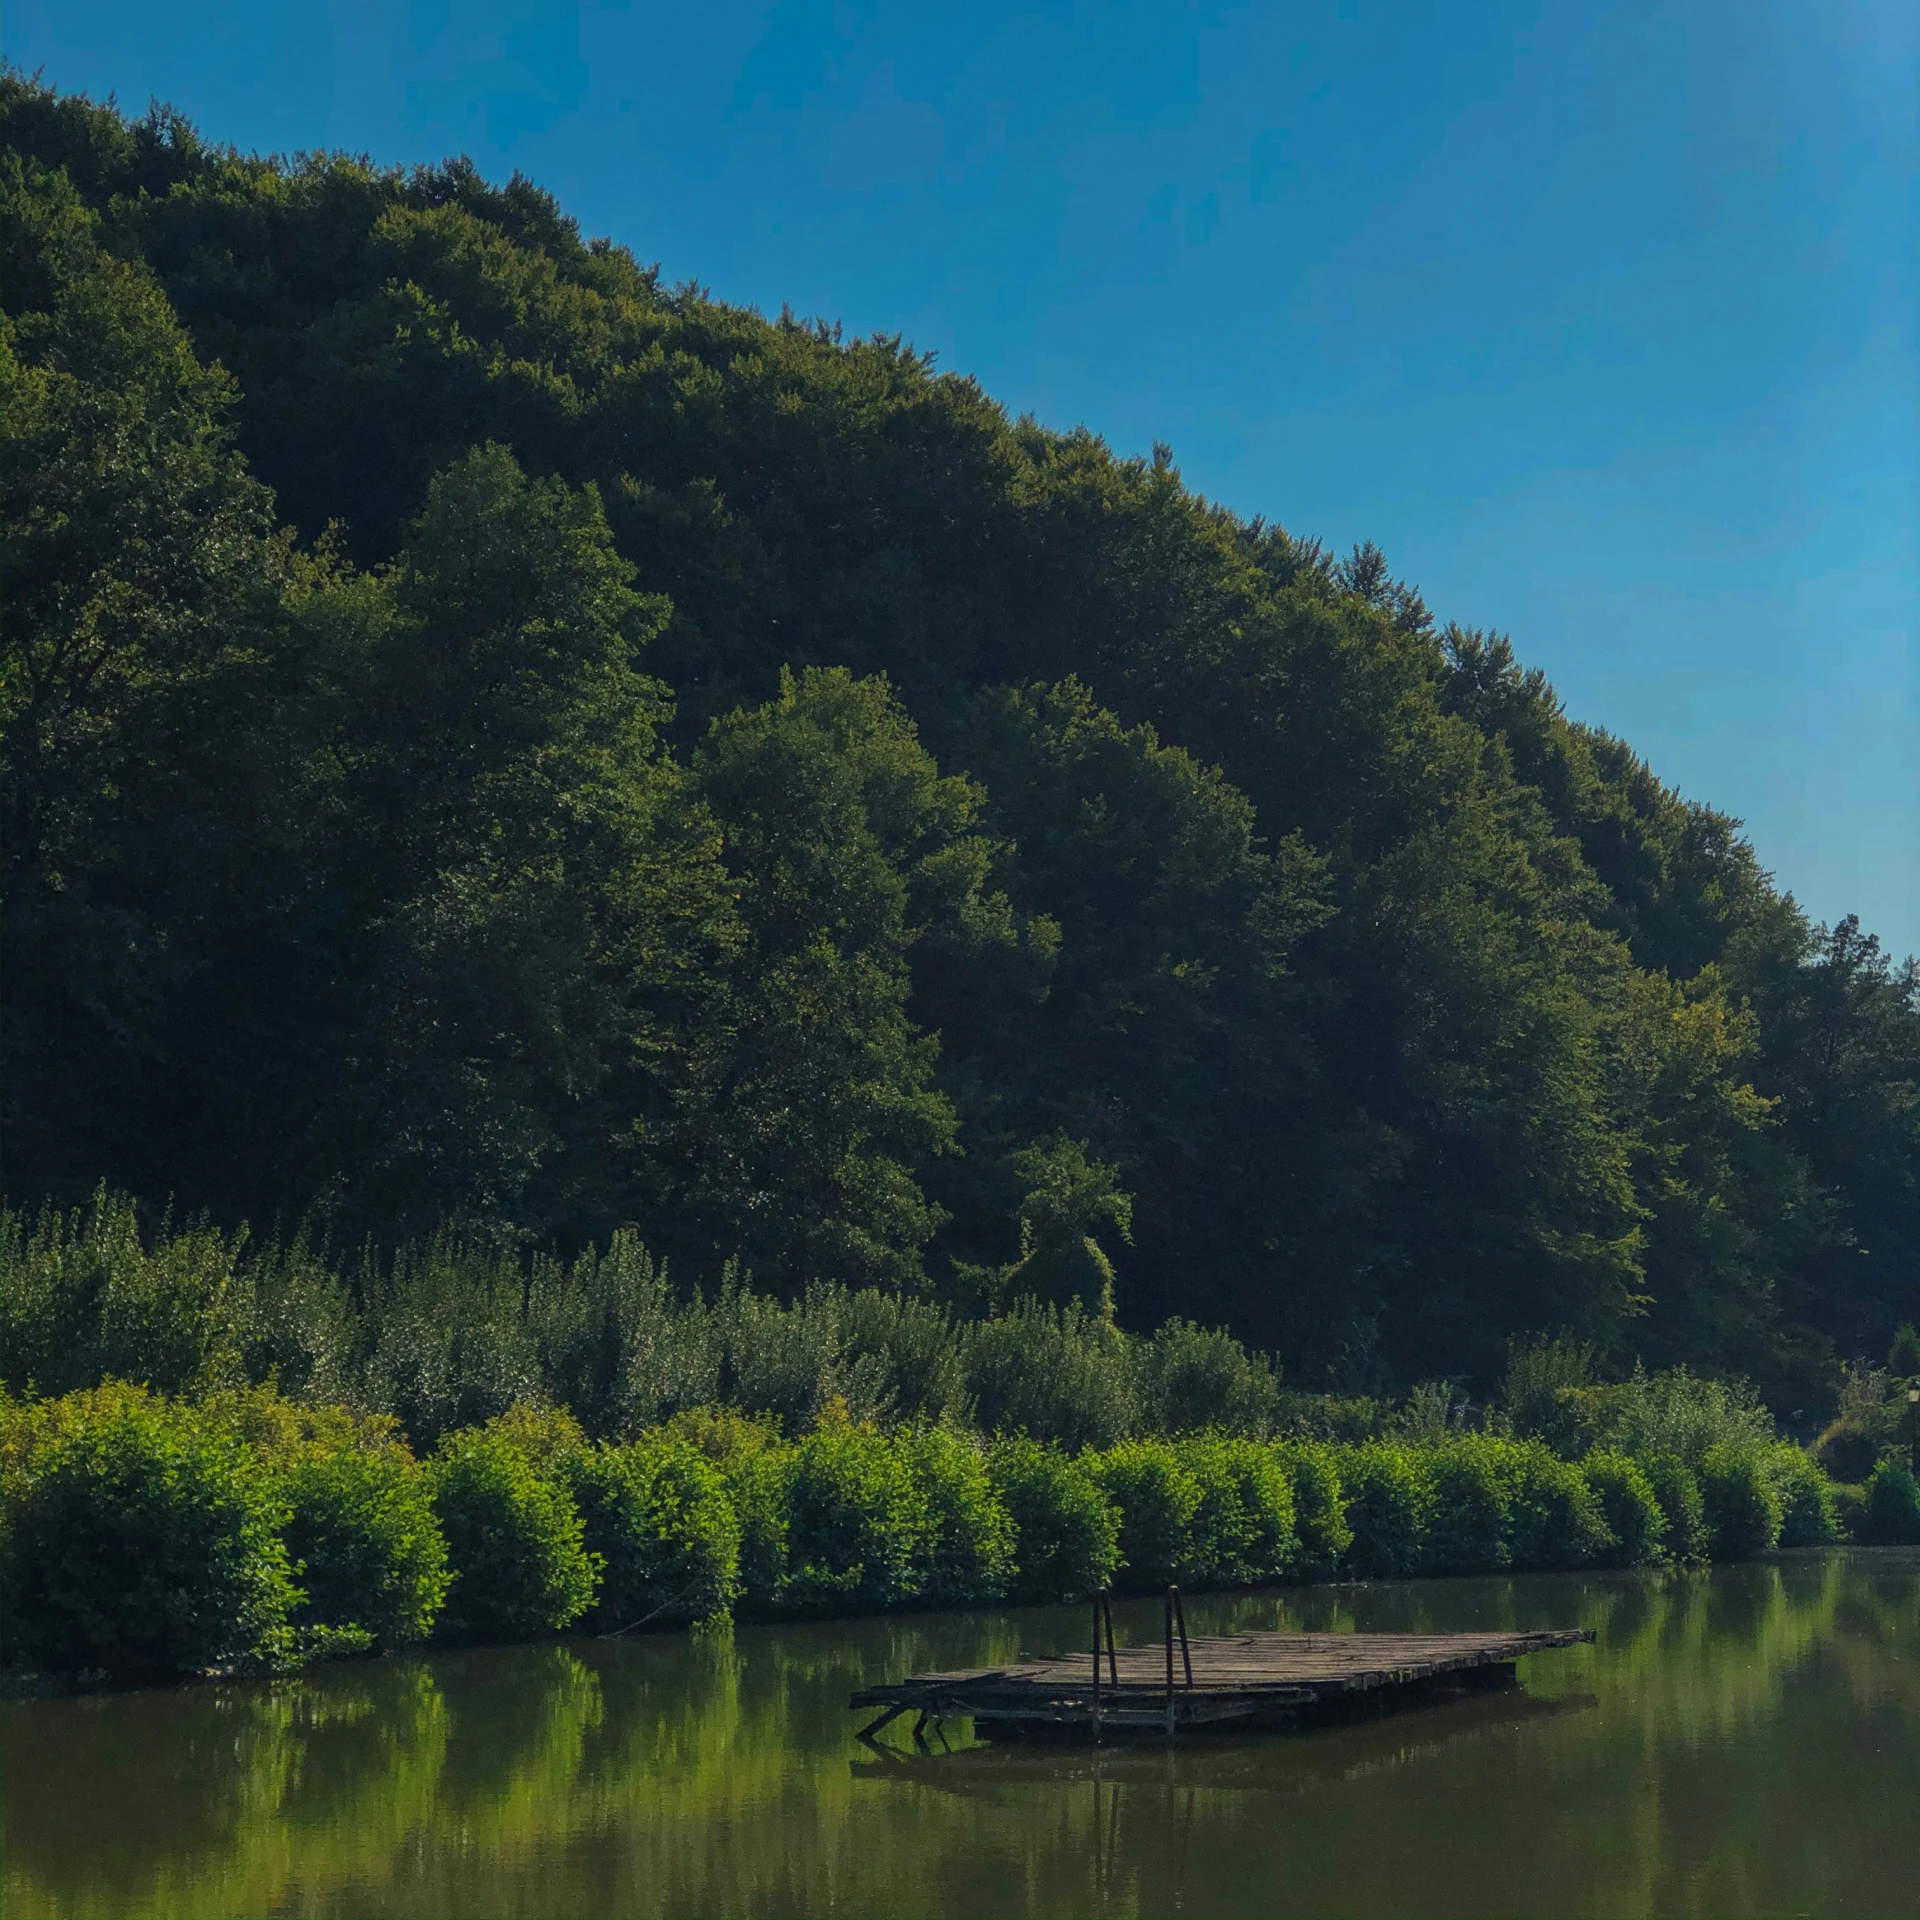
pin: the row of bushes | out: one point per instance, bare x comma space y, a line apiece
451, 1332
145, 1536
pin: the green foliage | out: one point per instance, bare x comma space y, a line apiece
1158, 1498
1194, 1379
1388, 1504
138, 1537
1557, 1518
1808, 1515
85, 1298
514, 1540
1469, 1507
969, 1550
656, 1515
1319, 1505
1631, 1510
1242, 1532
1890, 1513
1066, 1529
857, 1521
1743, 1506
1682, 1504
850, 914
1054, 1373
365, 1543
1676, 1412
1903, 1357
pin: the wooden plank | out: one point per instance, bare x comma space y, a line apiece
1233, 1675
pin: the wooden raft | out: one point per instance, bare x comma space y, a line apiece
1214, 1678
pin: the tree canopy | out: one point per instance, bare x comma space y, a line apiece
490, 738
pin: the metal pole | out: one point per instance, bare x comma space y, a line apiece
1096, 1668
1169, 1663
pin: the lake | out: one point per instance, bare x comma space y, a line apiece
1740, 1741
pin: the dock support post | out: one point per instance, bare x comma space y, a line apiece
1098, 1598
1169, 1663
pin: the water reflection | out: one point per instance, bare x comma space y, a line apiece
1746, 1740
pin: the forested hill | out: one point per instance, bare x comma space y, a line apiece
491, 739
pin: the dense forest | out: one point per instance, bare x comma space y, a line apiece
497, 744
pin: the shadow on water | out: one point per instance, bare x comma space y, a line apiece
1745, 1740
1283, 1761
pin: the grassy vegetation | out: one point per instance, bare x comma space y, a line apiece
147, 1536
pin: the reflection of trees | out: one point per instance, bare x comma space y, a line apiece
1717, 1715
216, 1799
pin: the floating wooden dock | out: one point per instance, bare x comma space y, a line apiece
1208, 1680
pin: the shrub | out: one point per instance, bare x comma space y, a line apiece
752, 1465
1675, 1412
1557, 1519
1629, 1506
1809, 1516
85, 1299
1192, 1379
1849, 1505
514, 1538
366, 1545
1677, 1488
1386, 1508
968, 1552
1052, 1373
1848, 1450
1469, 1513
1743, 1511
856, 1520
1066, 1530
1319, 1505
1890, 1512
1158, 1499
1242, 1532
657, 1517
139, 1538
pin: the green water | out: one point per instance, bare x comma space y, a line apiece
1740, 1742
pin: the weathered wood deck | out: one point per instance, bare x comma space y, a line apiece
1210, 1679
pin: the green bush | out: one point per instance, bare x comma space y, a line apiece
1052, 1373
1469, 1512
856, 1521
1848, 1449
514, 1539
1677, 1488
365, 1543
1193, 1379
656, 1515
1630, 1507
140, 1538
1890, 1513
1557, 1519
1849, 1509
968, 1548
1743, 1511
1242, 1532
1386, 1508
1066, 1530
1319, 1505
85, 1298
1158, 1498
1809, 1515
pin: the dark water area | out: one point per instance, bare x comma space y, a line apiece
1745, 1741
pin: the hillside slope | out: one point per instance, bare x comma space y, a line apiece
492, 738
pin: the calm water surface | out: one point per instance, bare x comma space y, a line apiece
1740, 1742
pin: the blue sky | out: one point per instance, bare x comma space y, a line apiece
1600, 319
